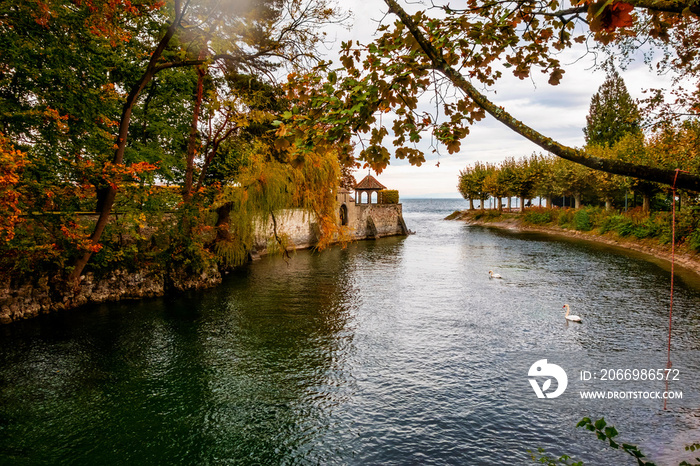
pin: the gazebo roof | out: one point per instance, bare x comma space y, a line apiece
369, 182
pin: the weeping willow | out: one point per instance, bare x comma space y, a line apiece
267, 187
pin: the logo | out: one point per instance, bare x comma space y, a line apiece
543, 369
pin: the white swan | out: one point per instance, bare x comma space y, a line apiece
494, 275
568, 317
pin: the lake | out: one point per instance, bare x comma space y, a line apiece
395, 351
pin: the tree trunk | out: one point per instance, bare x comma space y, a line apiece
192, 139
471, 204
522, 204
483, 203
223, 222
509, 203
499, 204
646, 203
608, 204
577, 201
107, 196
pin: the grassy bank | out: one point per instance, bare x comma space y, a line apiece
637, 230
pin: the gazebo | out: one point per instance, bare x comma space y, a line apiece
369, 185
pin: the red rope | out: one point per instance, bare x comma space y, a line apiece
673, 260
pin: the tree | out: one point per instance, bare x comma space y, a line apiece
482, 40
495, 184
169, 83
572, 179
472, 183
612, 113
545, 186
527, 174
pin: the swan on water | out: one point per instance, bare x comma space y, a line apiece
568, 317
494, 275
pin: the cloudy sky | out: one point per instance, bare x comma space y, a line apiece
556, 111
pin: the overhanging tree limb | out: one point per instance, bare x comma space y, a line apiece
658, 175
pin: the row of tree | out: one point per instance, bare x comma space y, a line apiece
613, 132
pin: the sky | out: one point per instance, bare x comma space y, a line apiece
556, 111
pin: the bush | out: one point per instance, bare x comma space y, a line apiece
649, 228
388, 196
538, 216
693, 241
566, 216
487, 214
582, 220
625, 227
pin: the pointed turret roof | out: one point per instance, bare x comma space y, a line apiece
369, 182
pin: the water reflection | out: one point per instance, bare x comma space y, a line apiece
395, 351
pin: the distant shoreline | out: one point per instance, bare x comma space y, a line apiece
683, 257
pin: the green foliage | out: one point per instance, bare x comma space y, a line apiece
612, 113
487, 215
693, 240
472, 181
541, 457
566, 217
388, 196
611, 223
582, 220
539, 216
609, 435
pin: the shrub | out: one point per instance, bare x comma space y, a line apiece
693, 241
487, 214
649, 228
388, 196
566, 216
625, 227
538, 216
582, 220
611, 223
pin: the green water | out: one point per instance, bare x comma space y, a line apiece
399, 351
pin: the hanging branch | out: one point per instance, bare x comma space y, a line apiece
658, 175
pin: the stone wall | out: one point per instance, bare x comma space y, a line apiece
296, 228
378, 220
44, 295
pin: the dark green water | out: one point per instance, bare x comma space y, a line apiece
399, 351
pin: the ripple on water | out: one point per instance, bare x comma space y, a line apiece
399, 351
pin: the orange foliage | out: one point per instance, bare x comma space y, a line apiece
105, 17
78, 236
114, 174
11, 163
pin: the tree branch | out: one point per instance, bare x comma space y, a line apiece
658, 175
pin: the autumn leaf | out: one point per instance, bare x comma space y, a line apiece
610, 16
555, 77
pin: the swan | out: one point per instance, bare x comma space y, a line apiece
494, 275
568, 317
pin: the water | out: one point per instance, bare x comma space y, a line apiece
397, 351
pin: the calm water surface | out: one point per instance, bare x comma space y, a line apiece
397, 351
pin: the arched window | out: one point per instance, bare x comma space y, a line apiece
373, 197
343, 214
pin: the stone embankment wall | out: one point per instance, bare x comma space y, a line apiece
45, 296
298, 230
378, 220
